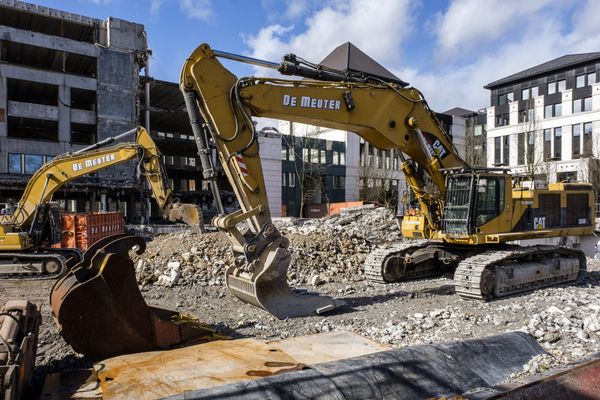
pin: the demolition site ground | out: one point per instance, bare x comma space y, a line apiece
184, 272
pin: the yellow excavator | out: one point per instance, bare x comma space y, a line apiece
467, 216
26, 234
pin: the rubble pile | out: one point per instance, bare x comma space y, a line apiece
329, 249
334, 249
185, 258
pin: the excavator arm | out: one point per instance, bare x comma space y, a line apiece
68, 167
386, 114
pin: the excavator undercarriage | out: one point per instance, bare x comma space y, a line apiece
482, 272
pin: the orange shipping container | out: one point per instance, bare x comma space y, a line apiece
84, 229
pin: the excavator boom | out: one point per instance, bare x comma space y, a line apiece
385, 113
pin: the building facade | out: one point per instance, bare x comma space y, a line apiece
67, 81
544, 122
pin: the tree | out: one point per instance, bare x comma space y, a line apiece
528, 142
309, 163
376, 177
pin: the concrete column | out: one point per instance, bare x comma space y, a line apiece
513, 116
103, 202
595, 97
64, 114
567, 102
567, 141
3, 107
491, 117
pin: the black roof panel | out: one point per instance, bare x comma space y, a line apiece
549, 66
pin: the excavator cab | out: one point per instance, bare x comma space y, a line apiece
474, 199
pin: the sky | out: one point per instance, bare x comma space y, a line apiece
449, 49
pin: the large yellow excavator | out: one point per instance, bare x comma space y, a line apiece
467, 216
26, 235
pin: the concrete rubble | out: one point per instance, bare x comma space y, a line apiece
330, 249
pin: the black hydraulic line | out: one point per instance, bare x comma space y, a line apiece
199, 130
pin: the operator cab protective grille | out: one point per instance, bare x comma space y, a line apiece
457, 210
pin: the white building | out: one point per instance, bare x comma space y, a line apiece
544, 122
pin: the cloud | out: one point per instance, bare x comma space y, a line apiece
507, 39
155, 6
472, 25
99, 2
336, 23
197, 9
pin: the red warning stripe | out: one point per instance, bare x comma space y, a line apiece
242, 165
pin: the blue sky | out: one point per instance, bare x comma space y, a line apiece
448, 48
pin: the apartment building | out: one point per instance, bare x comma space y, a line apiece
544, 122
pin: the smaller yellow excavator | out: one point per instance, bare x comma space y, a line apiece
26, 235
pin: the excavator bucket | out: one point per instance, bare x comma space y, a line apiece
190, 214
101, 313
269, 290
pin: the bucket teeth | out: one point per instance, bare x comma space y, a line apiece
101, 312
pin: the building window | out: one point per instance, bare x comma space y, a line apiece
553, 110
557, 142
305, 155
505, 98
547, 144
284, 153
562, 85
587, 139
580, 81
291, 153
184, 185
587, 104
342, 158
521, 148
576, 141
530, 147
323, 157
525, 94
192, 185
338, 182
284, 179
478, 130
336, 159
14, 163
591, 78
552, 88
569, 176
577, 105
33, 163
497, 150
506, 150
192, 161
502, 120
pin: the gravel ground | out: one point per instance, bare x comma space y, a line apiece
564, 319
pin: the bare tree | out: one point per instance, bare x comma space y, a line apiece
529, 156
376, 178
309, 161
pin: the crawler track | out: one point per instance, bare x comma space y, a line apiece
375, 263
63, 259
504, 272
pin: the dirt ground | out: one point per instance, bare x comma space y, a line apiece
561, 318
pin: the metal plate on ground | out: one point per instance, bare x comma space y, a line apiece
325, 347
158, 374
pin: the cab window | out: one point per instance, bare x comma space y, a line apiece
490, 199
